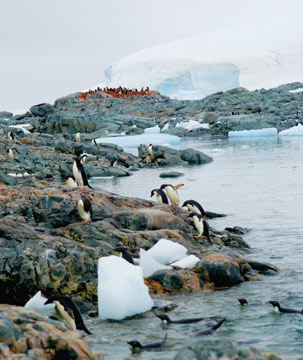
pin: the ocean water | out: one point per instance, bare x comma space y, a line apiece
258, 183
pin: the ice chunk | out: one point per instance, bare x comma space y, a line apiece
188, 262
253, 133
165, 127
152, 130
36, 303
167, 251
192, 125
121, 289
293, 131
149, 265
133, 141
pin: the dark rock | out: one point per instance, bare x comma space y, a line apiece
42, 110
171, 174
195, 157
8, 180
170, 280
5, 115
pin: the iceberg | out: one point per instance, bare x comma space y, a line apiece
152, 130
121, 289
149, 265
192, 125
36, 303
268, 132
166, 251
293, 131
188, 262
252, 57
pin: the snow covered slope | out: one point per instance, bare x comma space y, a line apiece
194, 67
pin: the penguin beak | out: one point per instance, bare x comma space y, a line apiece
178, 186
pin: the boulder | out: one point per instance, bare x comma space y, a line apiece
42, 110
5, 115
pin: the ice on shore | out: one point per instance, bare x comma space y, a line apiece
166, 251
192, 125
293, 131
149, 265
267, 132
36, 303
152, 130
188, 262
121, 289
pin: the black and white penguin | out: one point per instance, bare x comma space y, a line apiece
171, 192
83, 158
194, 206
70, 182
77, 137
124, 254
211, 330
160, 196
69, 311
280, 309
137, 346
201, 225
10, 136
166, 320
150, 150
10, 154
79, 173
85, 210
94, 142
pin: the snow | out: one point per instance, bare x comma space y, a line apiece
149, 265
252, 57
187, 262
296, 91
133, 141
293, 131
166, 251
267, 132
23, 127
152, 130
192, 125
36, 303
121, 289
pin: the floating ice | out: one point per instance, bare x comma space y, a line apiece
152, 130
133, 141
293, 131
36, 303
121, 289
167, 251
253, 133
165, 127
188, 262
149, 265
192, 125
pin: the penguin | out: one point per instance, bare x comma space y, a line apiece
137, 346
160, 196
194, 206
243, 301
166, 320
94, 142
124, 254
201, 225
171, 192
70, 182
79, 173
10, 136
83, 158
211, 330
77, 137
279, 309
85, 211
150, 150
69, 311
10, 154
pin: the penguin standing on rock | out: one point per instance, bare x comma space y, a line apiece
85, 211
77, 137
10, 154
69, 311
160, 196
79, 173
94, 142
171, 192
83, 158
10, 136
150, 150
70, 182
201, 225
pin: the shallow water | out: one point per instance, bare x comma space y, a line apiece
258, 183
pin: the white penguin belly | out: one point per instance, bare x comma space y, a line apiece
77, 174
199, 225
173, 196
194, 209
84, 215
64, 315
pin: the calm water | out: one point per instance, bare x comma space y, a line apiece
258, 183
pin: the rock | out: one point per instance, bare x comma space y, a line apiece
42, 110
8, 180
5, 115
195, 157
171, 174
263, 268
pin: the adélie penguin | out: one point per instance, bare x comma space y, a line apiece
68, 311
70, 182
171, 192
166, 320
201, 225
194, 206
150, 150
160, 196
85, 211
137, 346
77, 137
211, 330
279, 309
10, 154
124, 254
79, 173
83, 158
10, 136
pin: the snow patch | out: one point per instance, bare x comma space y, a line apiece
293, 131
192, 125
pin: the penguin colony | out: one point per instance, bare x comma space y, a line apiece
67, 309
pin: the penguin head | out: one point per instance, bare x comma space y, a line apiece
163, 186
243, 301
135, 344
83, 158
120, 249
153, 192
274, 303
163, 318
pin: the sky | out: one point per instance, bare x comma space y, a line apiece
51, 48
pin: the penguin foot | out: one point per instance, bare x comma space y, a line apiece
197, 236
81, 189
85, 221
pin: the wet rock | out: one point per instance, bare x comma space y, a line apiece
195, 157
262, 267
171, 174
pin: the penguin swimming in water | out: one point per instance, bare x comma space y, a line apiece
10, 154
211, 330
124, 254
280, 309
85, 210
77, 137
137, 346
160, 196
70, 182
194, 206
79, 173
10, 136
243, 301
201, 225
171, 192
166, 320
68, 311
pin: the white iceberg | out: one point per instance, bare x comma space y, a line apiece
149, 265
192, 125
253, 133
166, 251
188, 262
36, 303
165, 127
121, 289
293, 131
152, 130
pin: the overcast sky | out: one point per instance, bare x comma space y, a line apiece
50, 48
